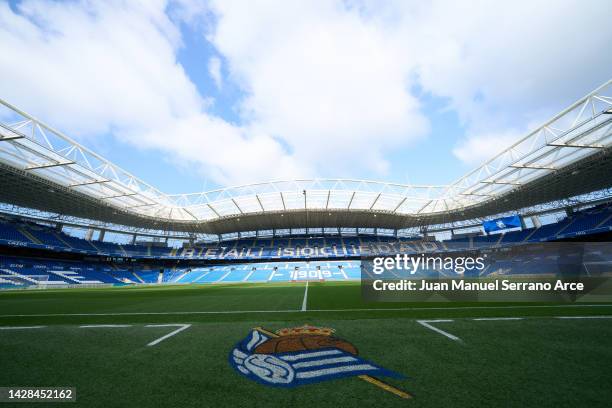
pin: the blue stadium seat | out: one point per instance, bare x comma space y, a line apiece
10, 233
262, 273
47, 237
485, 241
549, 231
513, 237
585, 222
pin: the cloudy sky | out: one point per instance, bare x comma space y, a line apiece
190, 95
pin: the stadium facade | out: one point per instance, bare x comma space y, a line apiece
553, 184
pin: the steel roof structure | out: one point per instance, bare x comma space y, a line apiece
569, 155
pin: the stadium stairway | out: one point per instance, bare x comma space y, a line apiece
29, 236
21, 277
123, 251
59, 237
45, 237
607, 223
8, 232
138, 277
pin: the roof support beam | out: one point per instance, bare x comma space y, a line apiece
399, 205
375, 200
351, 201
47, 165
142, 205
424, 207
576, 145
213, 210
532, 166
237, 206
477, 195
260, 204
88, 183
118, 196
14, 137
190, 213
505, 183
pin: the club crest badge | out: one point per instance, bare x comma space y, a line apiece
304, 355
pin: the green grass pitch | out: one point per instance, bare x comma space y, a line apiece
542, 357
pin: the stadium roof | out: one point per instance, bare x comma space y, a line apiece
44, 169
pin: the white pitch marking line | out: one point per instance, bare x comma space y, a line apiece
482, 319
181, 327
305, 301
156, 313
311, 310
93, 326
584, 317
21, 327
442, 332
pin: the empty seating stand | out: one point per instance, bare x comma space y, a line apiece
28, 234
29, 271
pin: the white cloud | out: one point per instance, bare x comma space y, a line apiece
326, 84
477, 149
507, 66
96, 67
225, 153
323, 79
84, 68
322, 74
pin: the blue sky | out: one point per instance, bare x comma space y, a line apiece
192, 95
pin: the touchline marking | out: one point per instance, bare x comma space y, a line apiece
152, 313
442, 332
93, 326
21, 327
305, 301
584, 317
181, 327
295, 310
481, 319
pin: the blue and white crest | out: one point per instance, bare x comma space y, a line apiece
291, 369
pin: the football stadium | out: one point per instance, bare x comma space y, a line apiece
150, 322
292, 292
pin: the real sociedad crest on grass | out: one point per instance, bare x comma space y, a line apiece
304, 355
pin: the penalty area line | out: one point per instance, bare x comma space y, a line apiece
181, 327
426, 323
